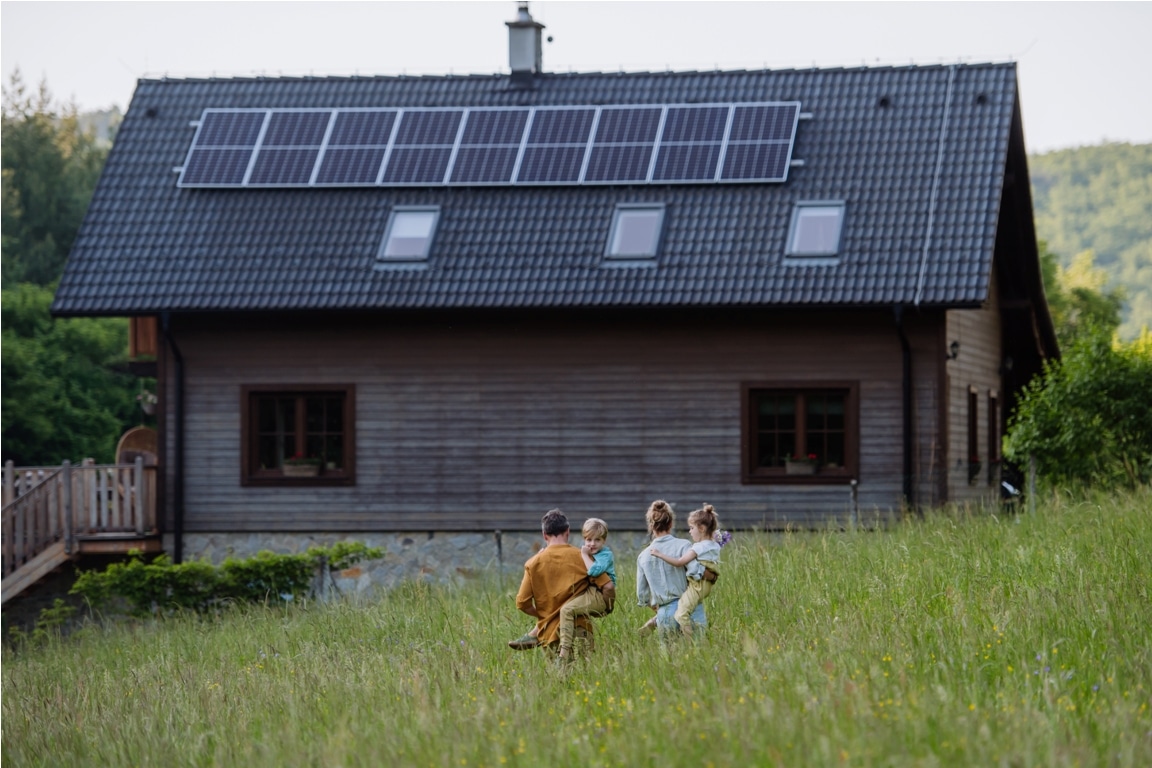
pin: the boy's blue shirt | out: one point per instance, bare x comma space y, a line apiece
603, 562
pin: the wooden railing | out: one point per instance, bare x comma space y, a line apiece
48, 506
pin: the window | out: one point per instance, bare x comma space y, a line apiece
803, 433
636, 231
993, 435
973, 438
409, 234
294, 435
815, 229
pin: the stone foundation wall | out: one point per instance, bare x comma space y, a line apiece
445, 557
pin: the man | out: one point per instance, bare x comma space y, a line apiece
553, 576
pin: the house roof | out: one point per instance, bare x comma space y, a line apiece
917, 153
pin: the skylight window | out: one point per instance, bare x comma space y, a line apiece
636, 229
815, 229
409, 234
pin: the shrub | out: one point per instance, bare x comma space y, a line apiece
160, 586
1087, 419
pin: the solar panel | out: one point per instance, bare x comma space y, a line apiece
358, 129
686, 162
230, 129
296, 129
552, 164
489, 145
562, 126
484, 165
433, 146
429, 126
417, 165
212, 167
628, 125
351, 166
695, 124
283, 166
756, 161
619, 163
496, 126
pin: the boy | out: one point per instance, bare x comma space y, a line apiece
598, 560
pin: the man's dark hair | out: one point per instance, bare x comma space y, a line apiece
554, 523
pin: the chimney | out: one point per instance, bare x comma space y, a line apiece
525, 53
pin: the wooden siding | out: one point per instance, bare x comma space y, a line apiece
977, 365
463, 425
142, 337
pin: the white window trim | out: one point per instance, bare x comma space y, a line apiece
381, 253
797, 210
660, 208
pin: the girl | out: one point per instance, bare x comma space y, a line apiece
702, 573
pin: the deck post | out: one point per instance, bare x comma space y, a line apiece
69, 533
9, 482
138, 484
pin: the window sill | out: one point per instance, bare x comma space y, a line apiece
820, 477
276, 480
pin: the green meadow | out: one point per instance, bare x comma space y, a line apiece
970, 638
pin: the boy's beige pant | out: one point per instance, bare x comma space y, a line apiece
591, 603
692, 597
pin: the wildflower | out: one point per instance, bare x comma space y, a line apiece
722, 537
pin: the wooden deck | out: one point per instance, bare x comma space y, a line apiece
56, 514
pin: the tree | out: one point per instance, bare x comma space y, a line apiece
1077, 297
1088, 417
50, 167
63, 396
65, 393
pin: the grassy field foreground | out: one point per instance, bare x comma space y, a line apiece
964, 639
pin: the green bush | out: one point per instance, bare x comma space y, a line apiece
1088, 418
159, 586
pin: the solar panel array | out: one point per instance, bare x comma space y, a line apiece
650, 144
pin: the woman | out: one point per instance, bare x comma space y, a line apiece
659, 584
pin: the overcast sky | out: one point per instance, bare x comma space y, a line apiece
1083, 67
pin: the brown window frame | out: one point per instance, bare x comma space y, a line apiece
752, 473
253, 475
994, 456
973, 457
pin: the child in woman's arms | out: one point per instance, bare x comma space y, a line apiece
702, 562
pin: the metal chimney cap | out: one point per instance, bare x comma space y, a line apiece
524, 19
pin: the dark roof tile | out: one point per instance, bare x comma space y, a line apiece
147, 246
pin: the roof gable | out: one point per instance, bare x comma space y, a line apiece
917, 155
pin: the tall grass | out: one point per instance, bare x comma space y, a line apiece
969, 638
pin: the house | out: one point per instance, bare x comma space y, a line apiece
435, 307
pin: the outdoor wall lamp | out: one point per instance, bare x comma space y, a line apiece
953, 351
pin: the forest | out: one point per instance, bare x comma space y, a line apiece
68, 394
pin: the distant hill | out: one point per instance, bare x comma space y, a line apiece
1099, 198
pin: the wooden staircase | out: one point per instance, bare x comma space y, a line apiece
55, 514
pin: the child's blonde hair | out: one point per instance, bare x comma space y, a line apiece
594, 528
705, 518
660, 518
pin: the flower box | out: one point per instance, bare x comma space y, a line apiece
301, 470
799, 467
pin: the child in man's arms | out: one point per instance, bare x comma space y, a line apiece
599, 559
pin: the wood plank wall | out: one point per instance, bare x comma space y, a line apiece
464, 425
977, 365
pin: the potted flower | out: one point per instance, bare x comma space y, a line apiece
147, 401
299, 465
800, 465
